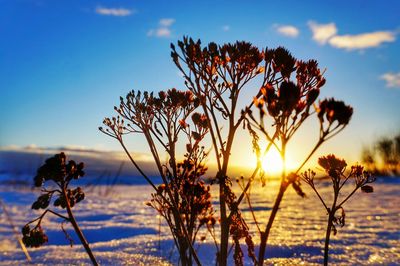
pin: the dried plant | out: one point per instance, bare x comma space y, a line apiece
15, 231
335, 169
182, 198
61, 173
216, 75
283, 106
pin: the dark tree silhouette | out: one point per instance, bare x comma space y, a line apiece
384, 156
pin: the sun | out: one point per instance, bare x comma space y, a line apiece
272, 162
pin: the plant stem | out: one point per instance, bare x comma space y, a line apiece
327, 238
177, 217
22, 245
77, 229
282, 189
224, 227
265, 234
331, 212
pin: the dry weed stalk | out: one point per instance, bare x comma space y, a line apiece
215, 75
182, 198
286, 105
61, 172
335, 168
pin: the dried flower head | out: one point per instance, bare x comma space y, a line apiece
34, 237
333, 166
56, 169
334, 110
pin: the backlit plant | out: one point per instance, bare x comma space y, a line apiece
335, 168
283, 106
215, 76
59, 173
182, 199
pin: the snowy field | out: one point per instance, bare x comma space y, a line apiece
122, 230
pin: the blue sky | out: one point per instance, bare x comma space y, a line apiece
64, 64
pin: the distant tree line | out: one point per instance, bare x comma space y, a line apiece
383, 156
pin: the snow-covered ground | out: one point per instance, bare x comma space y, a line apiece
123, 230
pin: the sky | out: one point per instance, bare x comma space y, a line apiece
64, 64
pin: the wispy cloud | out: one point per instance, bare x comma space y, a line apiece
392, 79
362, 41
322, 32
164, 29
166, 22
226, 28
118, 12
327, 33
287, 30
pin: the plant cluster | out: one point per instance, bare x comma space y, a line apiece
215, 75
61, 172
163, 120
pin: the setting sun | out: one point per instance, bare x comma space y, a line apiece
272, 162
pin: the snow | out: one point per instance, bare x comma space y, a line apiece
122, 230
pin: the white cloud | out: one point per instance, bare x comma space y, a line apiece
226, 28
392, 79
166, 22
164, 29
362, 41
160, 32
288, 30
322, 32
118, 12
327, 33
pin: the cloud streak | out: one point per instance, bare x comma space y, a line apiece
166, 22
322, 32
362, 41
117, 12
327, 34
392, 80
288, 30
163, 30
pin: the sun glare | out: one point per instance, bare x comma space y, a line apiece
272, 162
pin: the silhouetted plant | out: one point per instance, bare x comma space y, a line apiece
61, 172
162, 120
216, 75
194, 199
286, 105
335, 169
